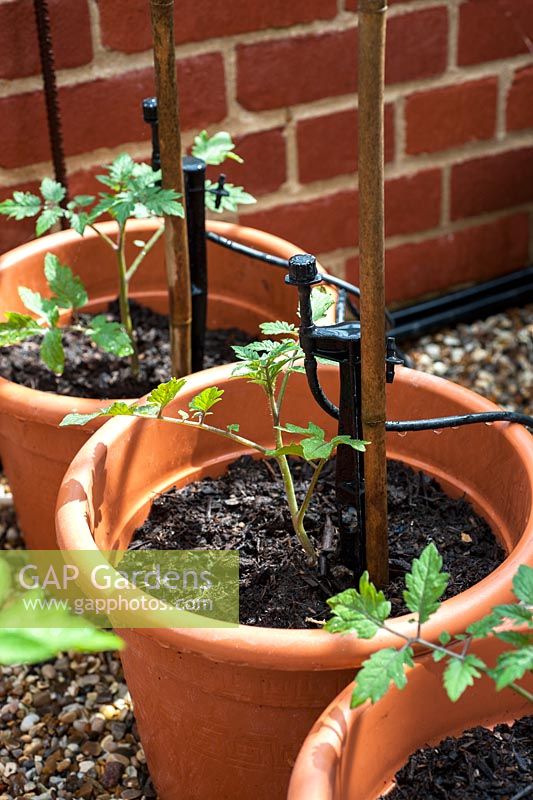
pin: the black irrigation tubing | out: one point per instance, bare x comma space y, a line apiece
276, 261
488, 417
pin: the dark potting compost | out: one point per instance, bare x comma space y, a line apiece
90, 372
245, 509
479, 765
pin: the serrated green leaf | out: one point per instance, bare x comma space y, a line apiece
426, 583
163, 394
31, 645
482, 627
52, 190
512, 666
316, 449
515, 638
52, 352
460, 674
110, 336
438, 655
321, 302
515, 612
82, 200
18, 328
203, 402
523, 584
355, 444
42, 306
118, 409
21, 206
360, 611
293, 449
47, 220
233, 427
68, 288
214, 149
444, 638
78, 419
118, 172
378, 672
276, 328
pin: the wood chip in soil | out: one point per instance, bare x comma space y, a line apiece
90, 372
480, 765
245, 509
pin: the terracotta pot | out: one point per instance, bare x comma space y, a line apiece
35, 452
222, 713
354, 754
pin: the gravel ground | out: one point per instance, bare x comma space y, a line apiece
67, 728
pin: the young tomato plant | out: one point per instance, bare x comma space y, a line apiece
67, 292
133, 192
364, 611
269, 364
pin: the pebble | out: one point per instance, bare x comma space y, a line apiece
28, 722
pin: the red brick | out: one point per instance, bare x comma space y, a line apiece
71, 33
327, 145
265, 162
444, 118
492, 182
520, 101
24, 130
13, 232
351, 5
125, 24
115, 104
491, 29
316, 226
471, 255
299, 69
416, 45
412, 203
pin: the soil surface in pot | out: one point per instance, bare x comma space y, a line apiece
245, 509
480, 765
90, 372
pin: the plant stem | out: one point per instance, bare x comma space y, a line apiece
310, 490
297, 522
234, 437
144, 252
105, 237
124, 304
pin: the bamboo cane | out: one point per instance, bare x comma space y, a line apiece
176, 248
372, 16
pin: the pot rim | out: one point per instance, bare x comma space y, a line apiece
332, 729
48, 407
299, 648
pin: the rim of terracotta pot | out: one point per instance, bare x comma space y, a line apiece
47, 407
325, 764
299, 648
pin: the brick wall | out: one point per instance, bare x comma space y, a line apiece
281, 76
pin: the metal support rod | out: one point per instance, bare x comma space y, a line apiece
194, 180
46, 52
372, 17
176, 250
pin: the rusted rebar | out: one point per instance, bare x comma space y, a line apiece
176, 248
46, 53
372, 18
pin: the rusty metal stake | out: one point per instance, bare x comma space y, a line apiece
372, 18
176, 249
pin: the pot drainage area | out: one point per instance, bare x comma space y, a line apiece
67, 728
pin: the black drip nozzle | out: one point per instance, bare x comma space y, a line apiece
150, 117
340, 343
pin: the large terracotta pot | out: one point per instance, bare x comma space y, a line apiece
35, 452
354, 754
222, 713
